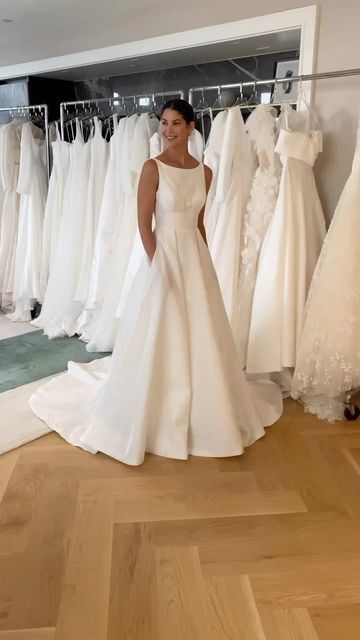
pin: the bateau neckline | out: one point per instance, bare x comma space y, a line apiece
179, 168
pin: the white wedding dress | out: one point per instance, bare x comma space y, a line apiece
9, 174
60, 312
212, 159
95, 189
289, 253
32, 186
107, 219
102, 331
235, 174
261, 129
173, 385
54, 209
328, 364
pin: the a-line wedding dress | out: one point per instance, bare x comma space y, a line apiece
173, 385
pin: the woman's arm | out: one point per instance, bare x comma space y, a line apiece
146, 197
201, 227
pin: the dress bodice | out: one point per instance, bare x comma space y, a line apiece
180, 196
301, 145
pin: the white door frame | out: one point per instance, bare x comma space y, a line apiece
304, 18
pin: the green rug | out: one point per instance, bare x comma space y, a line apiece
33, 356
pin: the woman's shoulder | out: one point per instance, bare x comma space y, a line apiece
150, 167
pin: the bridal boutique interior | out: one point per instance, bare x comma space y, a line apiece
258, 546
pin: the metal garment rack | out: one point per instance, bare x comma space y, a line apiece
273, 81
64, 106
21, 110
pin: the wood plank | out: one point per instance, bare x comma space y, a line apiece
133, 601
335, 583
29, 634
18, 505
233, 612
287, 624
337, 623
7, 466
86, 588
181, 595
39, 570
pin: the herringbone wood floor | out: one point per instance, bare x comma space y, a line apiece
261, 547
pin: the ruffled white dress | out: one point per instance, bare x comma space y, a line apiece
173, 385
261, 128
328, 364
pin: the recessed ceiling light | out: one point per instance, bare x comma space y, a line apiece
7, 20
262, 48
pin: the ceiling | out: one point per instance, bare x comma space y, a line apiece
34, 30
257, 45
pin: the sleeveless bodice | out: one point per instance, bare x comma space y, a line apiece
301, 145
180, 196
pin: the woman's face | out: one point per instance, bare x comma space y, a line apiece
174, 128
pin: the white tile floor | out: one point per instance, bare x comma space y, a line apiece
9, 329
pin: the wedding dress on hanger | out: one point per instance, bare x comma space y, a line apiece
32, 186
212, 159
101, 332
95, 189
107, 219
173, 385
328, 363
235, 174
9, 173
60, 312
54, 208
261, 129
289, 252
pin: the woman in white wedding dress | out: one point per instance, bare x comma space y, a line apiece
173, 385
328, 364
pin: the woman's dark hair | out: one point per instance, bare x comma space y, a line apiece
181, 106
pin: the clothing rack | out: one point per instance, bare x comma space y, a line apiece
273, 81
64, 106
21, 110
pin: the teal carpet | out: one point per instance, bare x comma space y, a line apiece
33, 356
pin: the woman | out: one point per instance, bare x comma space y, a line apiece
173, 385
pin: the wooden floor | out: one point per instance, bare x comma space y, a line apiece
261, 547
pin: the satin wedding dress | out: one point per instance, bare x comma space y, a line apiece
289, 252
173, 385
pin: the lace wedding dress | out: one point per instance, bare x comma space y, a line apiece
328, 362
